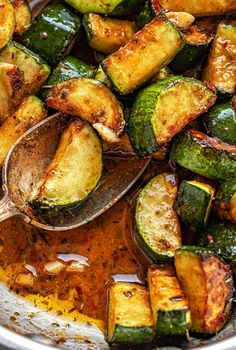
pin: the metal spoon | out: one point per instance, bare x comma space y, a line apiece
27, 160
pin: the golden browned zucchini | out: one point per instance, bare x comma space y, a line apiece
200, 8
12, 88
107, 34
91, 100
181, 20
207, 283
7, 22
30, 111
22, 16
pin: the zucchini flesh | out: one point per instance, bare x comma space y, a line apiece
157, 226
207, 283
154, 118
36, 70
7, 20
70, 67
101, 76
90, 100
30, 111
220, 122
12, 88
169, 306
199, 8
127, 71
220, 237
129, 314
113, 7
74, 171
194, 201
197, 43
220, 70
107, 34
225, 201
204, 155
22, 16
52, 32
181, 20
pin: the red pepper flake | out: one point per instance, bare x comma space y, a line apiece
50, 100
224, 45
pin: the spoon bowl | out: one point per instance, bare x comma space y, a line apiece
27, 161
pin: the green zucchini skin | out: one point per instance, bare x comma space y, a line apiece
172, 322
204, 155
133, 335
193, 202
142, 118
101, 76
220, 122
225, 200
52, 32
144, 16
127, 7
70, 67
192, 52
152, 220
220, 237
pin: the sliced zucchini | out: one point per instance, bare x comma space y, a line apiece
12, 88
204, 155
199, 8
129, 314
22, 16
74, 171
225, 201
194, 201
36, 70
220, 70
144, 16
157, 226
101, 76
114, 7
169, 306
154, 118
207, 283
220, 122
70, 67
197, 43
127, 71
52, 33
7, 22
91, 100
107, 34
220, 237
30, 111
182, 20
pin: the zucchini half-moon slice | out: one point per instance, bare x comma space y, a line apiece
74, 171
91, 100
7, 22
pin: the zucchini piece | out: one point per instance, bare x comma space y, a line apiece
197, 44
127, 71
74, 171
199, 8
129, 314
52, 33
220, 122
113, 7
194, 201
101, 76
90, 100
169, 306
182, 20
225, 201
36, 70
157, 225
144, 16
204, 155
220, 70
106, 34
12, 88
162, 74
7, 21
70, 67
208, 285
22, 16
30, 111
220, 237
154, 118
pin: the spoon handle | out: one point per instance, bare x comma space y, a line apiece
7, 208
